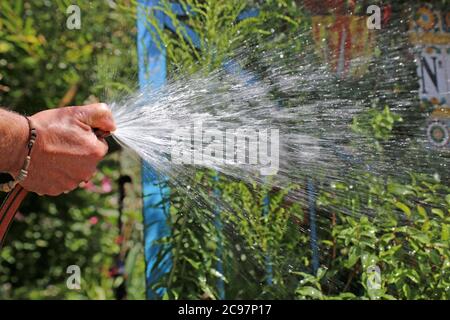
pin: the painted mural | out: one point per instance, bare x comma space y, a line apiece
344, 42
430, 33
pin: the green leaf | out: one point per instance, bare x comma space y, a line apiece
194, 264
445, 234
438, 212
369, 260
5, 46
422, 212
421, 237
399, 189
406, 291
345, 296
404, 208
309, 292
218, 274
426, 226
352, 257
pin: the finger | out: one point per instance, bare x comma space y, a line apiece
102, 147
95, 148
96, 116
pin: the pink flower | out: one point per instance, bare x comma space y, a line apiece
93, 220
106, 185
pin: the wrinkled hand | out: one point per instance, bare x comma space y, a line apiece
67, 150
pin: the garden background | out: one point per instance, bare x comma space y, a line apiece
405, 231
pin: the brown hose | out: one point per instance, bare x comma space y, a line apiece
9, 209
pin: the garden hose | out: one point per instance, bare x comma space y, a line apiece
9, 209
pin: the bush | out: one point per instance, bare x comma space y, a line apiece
380, 236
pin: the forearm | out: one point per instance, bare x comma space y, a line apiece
13, 140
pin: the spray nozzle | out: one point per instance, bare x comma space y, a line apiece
101, 134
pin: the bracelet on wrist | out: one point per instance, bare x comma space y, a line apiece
23, 173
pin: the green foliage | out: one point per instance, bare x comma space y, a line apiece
220, 32
246, 234
34, 42
44, 65
365, 222
374, 123
405, 234
399, 225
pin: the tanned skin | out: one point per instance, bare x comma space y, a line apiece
66, 151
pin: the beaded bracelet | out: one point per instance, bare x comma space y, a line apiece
8, 186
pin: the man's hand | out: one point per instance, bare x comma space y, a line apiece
67, 150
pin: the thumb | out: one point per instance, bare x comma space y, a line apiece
96, 116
